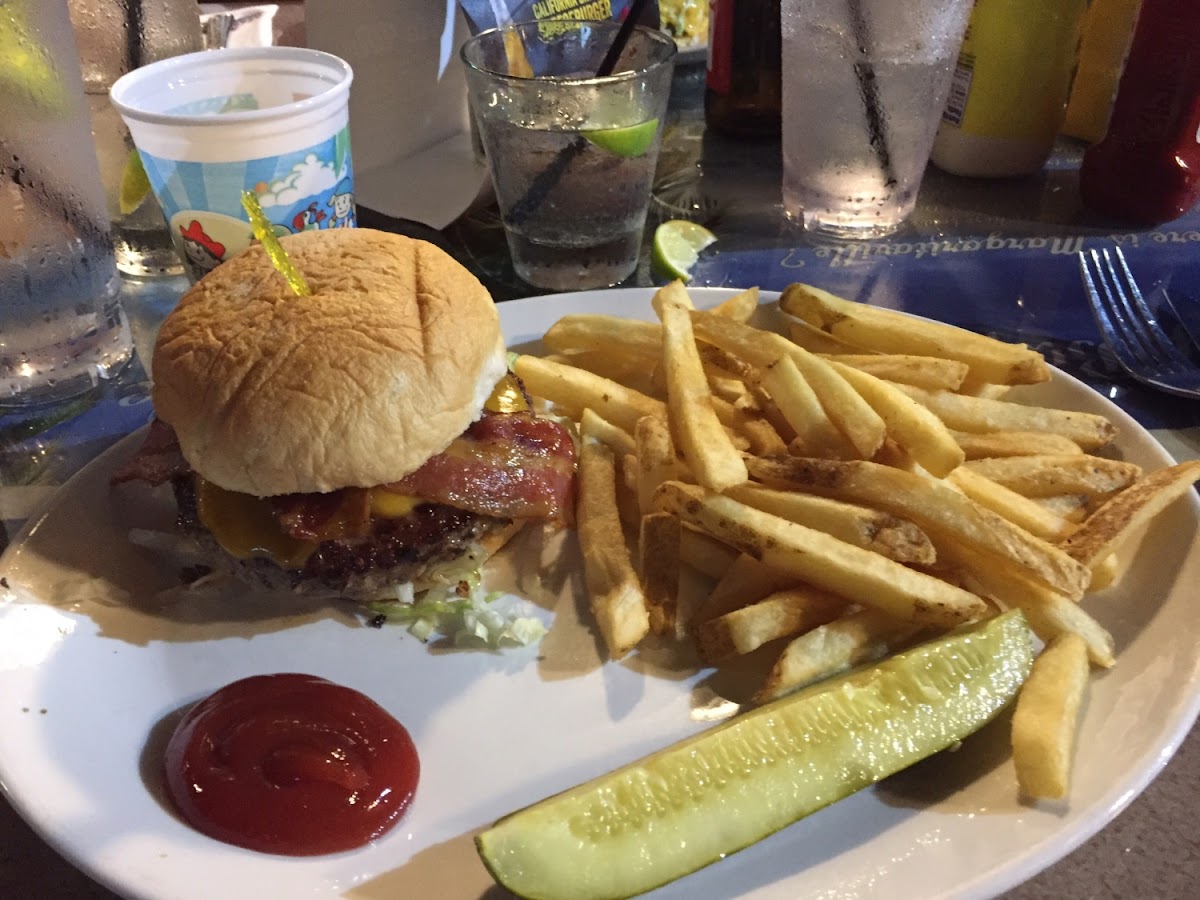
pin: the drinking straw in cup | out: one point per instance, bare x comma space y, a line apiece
864, 85
571, 151
270, 120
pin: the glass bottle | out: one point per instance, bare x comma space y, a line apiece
1010, 89
1146, 169
743, 83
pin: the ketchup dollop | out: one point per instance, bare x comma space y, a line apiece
291, 764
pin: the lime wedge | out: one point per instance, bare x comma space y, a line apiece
628, 141
691, 804
677, 246
135, 185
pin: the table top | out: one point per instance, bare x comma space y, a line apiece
997, 257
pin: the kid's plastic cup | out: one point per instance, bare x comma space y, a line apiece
270, 120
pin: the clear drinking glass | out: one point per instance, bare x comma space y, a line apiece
571, 155
115, 37
864, 85
61, 324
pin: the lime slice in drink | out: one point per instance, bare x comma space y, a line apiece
691, 804
628, 141
135, 186
677, 246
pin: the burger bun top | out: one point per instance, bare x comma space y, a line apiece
388, 360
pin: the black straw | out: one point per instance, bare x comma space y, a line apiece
549, 176
868, 88
135, 34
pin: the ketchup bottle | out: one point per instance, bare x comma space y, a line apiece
743, 88
1147, 167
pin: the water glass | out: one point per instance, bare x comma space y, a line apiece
864, 85
210, 126
115, 37
61, 323
571, 155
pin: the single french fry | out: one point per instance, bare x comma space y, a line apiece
817, 341
702, 440
979, 414
888, 331
1048, 476
745, 581
823, 561
930, 372
614, 364
705, 553
936, 507
918, 431
880, 532
852, 415
585, 331
739, 307
656, 460
658, 546
1014, 443
985, 390
1017, 508
1105, 572
1046, 717
617, 439
574, 390
782, 614
1110, 525
616, 597
854, 639
799, 405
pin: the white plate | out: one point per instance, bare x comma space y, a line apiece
497, 732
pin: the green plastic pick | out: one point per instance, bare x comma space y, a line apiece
264, 231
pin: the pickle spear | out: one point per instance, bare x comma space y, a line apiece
687, 806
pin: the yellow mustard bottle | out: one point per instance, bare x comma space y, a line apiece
1107, 33
1010, 89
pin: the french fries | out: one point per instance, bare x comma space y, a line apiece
980, 414
822, 560
844, 493
928, 372
1014, 443
940, 510
1044, 723
882, 533
1049, 476
701, 436
574, 390
886, 331
1128, 511
617, 600
914, 428
852, 640
780, 615
658, 544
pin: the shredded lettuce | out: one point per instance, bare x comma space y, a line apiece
465, 614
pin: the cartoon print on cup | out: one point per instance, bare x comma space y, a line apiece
202, 252
308, 219
342, 202
309, 189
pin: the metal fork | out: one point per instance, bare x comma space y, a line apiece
1130, 328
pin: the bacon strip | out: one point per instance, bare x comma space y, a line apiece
510, 465
339, 514
157, 461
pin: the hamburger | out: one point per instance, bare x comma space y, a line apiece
366, 440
